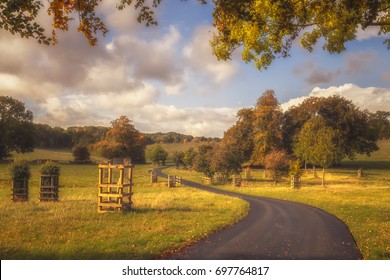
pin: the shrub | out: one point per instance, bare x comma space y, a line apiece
20, 169
81, 153
50, 168
277, 162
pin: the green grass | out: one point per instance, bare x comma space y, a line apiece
362, 203
64, 155
162, 219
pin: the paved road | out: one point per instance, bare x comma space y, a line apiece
274, 230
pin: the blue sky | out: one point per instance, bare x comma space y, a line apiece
164, 78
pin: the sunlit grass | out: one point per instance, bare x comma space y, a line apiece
64, 154
161, 219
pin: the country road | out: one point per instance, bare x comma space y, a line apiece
274, 230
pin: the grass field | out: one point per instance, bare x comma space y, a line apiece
161, 219
362, 203
64, 155
165, 219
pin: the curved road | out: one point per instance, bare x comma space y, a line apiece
274, 230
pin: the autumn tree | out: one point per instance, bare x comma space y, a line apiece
240, 135
264, 30
225, 160
17, 131
122, 140
316, 143
277, 163
268, 127
81, 153
350, 123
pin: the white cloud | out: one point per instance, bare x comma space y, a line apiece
199, 56
368, 33
370, 98
194, 121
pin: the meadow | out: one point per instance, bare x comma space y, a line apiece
362, 203
161, 220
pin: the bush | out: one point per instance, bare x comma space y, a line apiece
20, 169
50, 168
81, 153
278, 163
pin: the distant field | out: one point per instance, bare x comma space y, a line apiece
53, 154
162, 219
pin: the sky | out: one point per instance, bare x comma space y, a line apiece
165, 78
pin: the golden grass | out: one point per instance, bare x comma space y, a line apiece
162, 219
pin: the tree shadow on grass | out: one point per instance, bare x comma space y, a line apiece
136, 210
381, 165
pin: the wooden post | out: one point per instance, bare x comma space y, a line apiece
248, 174
295, 181
237, 181
153, 177
171, 181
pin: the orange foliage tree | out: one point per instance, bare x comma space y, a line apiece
122, 140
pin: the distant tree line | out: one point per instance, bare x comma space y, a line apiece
175, 137
18, 133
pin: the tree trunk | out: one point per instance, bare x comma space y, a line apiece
323, 176
314, 171
305, 166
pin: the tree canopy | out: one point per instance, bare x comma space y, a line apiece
267, 127
354, 135
264, 29
122, 140
16, 127
316, 144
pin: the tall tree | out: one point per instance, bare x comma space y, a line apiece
240, 135
122, 140
225, 160
268, 127
16, 127
316, 143
350, 123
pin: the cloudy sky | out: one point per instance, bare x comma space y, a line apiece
165, 78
